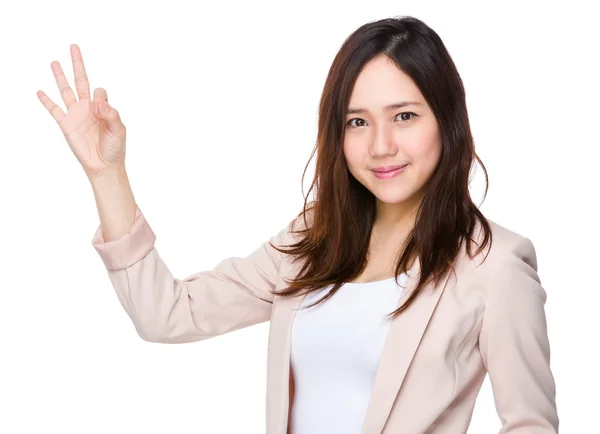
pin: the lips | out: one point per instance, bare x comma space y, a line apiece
385, 169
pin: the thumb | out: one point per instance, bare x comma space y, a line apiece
112, 118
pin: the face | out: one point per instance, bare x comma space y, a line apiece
376, 136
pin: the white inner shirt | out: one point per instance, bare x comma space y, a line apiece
335, 352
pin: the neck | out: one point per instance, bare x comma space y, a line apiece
393, 217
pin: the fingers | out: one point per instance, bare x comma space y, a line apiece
99, 96
112, 118
81, 80
100, 93
63, 85
54, 110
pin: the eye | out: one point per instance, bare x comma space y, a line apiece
408, 113
349, 123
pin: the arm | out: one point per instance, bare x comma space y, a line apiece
515, 348
233, 295
115, 201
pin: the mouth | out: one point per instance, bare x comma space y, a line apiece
387, 169
389, 172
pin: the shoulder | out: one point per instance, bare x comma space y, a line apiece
508, 275
295, 229
507, 250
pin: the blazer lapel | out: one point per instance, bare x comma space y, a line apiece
278, 369
403, 338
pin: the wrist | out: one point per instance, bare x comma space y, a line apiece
108, 174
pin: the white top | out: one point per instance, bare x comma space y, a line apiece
335, 352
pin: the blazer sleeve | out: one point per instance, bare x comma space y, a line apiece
515, 348
234, 294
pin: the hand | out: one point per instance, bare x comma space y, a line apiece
93, 129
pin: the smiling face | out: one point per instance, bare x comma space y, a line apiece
377, 136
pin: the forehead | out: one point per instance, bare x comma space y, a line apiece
381, 82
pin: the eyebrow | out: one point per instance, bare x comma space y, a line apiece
387, 107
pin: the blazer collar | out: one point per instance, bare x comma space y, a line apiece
403, 338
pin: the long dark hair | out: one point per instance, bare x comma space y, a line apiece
335, 244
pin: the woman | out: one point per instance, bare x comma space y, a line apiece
392, 230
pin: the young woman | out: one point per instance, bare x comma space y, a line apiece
390, 296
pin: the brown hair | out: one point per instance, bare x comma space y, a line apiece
335, 245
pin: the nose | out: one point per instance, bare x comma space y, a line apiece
382, 142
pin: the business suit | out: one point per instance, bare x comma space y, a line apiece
491, 319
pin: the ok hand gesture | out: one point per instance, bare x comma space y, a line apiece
93, 129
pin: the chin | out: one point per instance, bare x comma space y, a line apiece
391, 197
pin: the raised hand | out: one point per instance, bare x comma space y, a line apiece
93, 129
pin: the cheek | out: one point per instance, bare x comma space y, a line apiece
353, 152
425, 154
354, 160
424, 151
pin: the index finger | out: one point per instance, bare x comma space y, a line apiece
81, 80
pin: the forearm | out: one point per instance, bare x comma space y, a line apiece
115, 203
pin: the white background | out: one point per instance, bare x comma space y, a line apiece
220, 104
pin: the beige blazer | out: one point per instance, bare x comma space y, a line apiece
490, 319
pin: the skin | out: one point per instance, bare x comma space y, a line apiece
395, 136
93, 129
95, 133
